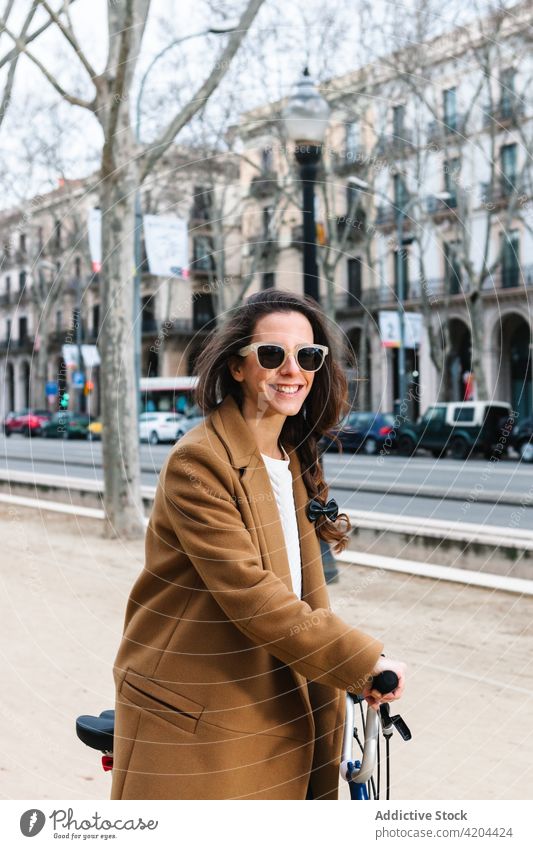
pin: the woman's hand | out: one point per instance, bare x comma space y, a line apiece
374, 697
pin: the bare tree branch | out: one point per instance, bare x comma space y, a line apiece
11, 54
70, 98
68, 32
155, 150
6, 97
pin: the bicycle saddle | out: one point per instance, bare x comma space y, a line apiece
97, 731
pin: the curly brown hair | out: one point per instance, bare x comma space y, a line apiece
322, 408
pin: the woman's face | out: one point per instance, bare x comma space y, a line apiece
263, 388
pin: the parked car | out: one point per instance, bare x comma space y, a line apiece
361, 431
193, 417
460, 428
159, 427
522, 439
94, 430
27, 422
66, 425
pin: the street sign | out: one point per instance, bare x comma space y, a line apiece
51, 389
167, 245
78, 379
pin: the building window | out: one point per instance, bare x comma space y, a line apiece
452, 168
398, 121
202, 204
40, 238
449, 108
8, 330
57, 235
203, 258
8, 286
507, 92
202, 310
452, 268
353, 140
22, 243
508, 168
23, 328
77, 268
510, 264
22, 280
354, 280
268, 213
268, 280
96, 319
59, 321
266, 160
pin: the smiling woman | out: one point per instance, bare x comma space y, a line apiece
232, 671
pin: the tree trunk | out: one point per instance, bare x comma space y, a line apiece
478, 340
120, 440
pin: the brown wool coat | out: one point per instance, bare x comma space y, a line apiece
227, 685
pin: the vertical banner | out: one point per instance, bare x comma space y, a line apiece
95, 239
389, 329
167, 245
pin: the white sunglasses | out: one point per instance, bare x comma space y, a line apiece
271, 355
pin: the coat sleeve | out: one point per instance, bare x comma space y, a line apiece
201, 508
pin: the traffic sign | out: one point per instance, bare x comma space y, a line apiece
78, 379
51, 389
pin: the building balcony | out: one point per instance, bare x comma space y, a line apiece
24, 343
203, 266
438, 290
261, 245
23, 296
509, 112
348, 160
387, 218
497, 193
353, 227
263, 185
511, 277
391, 145
440, 208
200, 216
441, 130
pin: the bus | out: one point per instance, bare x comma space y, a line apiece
167, 394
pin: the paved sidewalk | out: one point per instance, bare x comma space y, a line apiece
469, 698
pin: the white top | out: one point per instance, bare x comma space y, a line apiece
281, 480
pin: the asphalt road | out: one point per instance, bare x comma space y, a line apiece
474, 490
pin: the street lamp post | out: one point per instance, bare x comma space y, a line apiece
306, 119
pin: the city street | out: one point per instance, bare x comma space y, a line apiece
399, 485
468, 698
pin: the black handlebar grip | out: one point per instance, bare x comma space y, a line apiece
385, 682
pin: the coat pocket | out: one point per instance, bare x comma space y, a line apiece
149, 695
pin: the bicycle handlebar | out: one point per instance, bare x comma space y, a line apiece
385, 682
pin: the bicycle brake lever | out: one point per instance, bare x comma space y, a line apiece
387, 721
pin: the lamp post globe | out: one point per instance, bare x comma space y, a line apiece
306, 119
